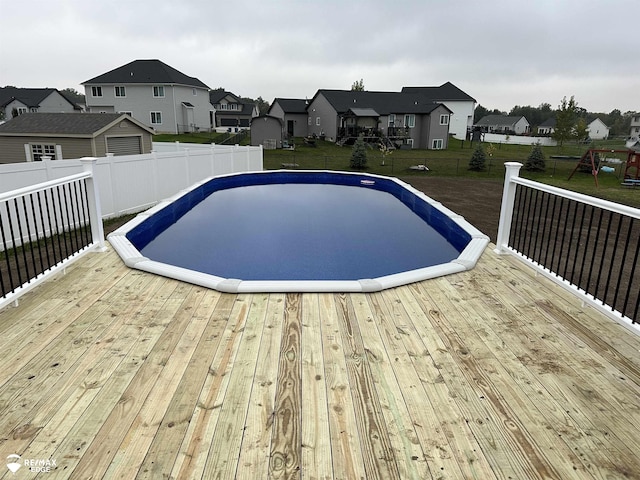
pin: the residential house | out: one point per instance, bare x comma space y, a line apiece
268, 131
402, 117
293, 113
509, 125
230, 112
598, 130
547, 127
634, 133
154, 94
460, 103
16, 101
31, 136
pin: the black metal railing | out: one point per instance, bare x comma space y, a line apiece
594, 249
40, 229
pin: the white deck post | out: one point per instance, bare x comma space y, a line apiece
506, 210
95, 210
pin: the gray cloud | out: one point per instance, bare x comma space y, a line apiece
502, 53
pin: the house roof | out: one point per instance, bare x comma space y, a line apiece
499, 120
64, 124
384, 103
146, 72
549, 122
216, 95
446, 91
30, 97
292, 105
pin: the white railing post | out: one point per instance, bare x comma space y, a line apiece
506, 210
95, 213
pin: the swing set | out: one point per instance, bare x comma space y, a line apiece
591, 160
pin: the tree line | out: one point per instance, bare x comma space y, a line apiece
619, 123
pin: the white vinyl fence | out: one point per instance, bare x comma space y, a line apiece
135, 182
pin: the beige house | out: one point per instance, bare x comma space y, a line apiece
31, 136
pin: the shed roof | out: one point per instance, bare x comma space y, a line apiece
64, 124
146, 72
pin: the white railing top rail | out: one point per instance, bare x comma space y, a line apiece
579, 197
20, 192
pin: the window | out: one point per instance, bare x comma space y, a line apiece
42, 150
158, 91
33, 109
308, 120
194, 92
410, 121
96, 91
21, 110
392, 119
156, 118
318, 121
436, 144
444, 119
120, 92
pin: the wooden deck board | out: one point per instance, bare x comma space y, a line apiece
491, 373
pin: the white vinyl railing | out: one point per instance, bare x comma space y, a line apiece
588, 245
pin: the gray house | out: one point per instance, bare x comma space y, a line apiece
293, 113
16, 101
404, 118
267, 130
153, 93
31, 136
230, 112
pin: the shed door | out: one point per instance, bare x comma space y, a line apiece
124, 145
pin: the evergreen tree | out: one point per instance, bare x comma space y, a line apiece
478, 159
359, 154
535, 161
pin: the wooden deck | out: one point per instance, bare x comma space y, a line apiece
494, 373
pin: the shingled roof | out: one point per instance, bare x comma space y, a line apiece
64, 124
384, 103
146, 72
31, 97
446, 91
292, 105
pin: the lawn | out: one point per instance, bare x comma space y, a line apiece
453, 162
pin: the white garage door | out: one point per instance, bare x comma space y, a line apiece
124, 145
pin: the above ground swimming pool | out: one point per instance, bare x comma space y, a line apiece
299, 231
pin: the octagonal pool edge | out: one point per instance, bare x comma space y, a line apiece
132, 257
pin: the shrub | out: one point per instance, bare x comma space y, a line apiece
478, 159
535, 161
359, 154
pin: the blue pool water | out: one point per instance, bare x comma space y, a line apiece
299, 231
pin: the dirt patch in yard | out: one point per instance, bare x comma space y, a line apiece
478, 201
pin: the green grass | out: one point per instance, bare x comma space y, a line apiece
202, 137
453, 162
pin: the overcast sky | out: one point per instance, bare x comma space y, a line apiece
502, 53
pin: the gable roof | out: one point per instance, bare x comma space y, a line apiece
30, 97
146, 72
291, 105
215, 96
446, 91
500, 120
384, 103
65, 124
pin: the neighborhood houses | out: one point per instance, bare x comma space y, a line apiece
146, 97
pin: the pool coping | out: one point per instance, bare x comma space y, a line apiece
134, 259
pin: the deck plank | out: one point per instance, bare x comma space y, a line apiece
491, 373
